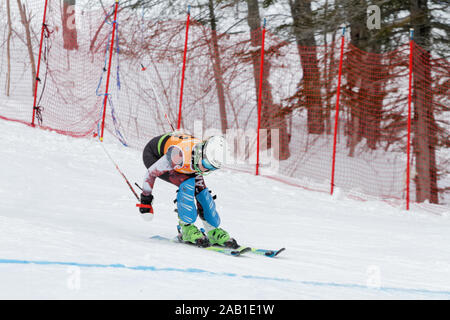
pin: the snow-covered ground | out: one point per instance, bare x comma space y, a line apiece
69, 229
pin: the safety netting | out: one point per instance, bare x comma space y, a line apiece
209, 83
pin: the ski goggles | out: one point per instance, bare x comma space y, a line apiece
199, 158
207, 165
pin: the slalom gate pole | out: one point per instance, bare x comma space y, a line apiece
336, 122
184, 65
261, 73
39, 63
408, 144
105, 102
121, 173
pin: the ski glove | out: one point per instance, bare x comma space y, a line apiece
147, 200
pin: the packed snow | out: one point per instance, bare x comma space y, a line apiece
69, 229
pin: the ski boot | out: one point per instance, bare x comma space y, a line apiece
221, 238
190, 233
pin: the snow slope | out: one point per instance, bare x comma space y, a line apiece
69, 229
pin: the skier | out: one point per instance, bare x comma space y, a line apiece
183, 160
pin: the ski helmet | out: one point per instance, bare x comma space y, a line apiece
210, 153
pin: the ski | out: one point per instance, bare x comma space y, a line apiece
266, 252
228, 251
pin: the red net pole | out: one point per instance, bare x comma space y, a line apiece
105, 101
261, 73
184, 66
336, 121
39, 62
408, 145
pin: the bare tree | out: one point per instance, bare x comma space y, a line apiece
272, 115
425, 135
303, 29
218, 74
26, 24
8, 48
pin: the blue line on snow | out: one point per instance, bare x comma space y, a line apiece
194, 270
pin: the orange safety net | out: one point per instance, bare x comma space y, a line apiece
220, 95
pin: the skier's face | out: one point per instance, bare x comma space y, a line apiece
201, 167
177, 157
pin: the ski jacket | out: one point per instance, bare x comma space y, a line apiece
166, 155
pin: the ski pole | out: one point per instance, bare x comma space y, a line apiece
123, 175
139, 205
138, 186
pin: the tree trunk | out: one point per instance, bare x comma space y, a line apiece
367, 81
425, 133
218, 75
359, 35
375, 88
254, 22
8, 48
26, 24
271, 115
69, 25
304, 34
328, 61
